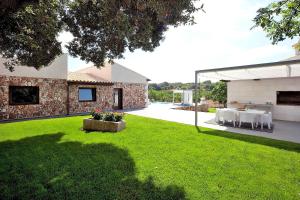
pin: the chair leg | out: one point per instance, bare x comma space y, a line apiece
240, 124
252, 125
269, 125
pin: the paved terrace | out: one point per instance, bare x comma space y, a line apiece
288, 131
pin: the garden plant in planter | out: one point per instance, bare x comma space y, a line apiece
104, 121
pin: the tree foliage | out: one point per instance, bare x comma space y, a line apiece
102, 29
219, 92
163, 91
164, 96
28, 35
280, 20
177, 85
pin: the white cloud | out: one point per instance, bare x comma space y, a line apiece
221, 37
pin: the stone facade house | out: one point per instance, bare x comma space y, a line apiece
53, 91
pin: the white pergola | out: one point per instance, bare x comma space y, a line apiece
186, 96
281, 69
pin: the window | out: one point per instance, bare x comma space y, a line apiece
87, 94
288, 98
23, 95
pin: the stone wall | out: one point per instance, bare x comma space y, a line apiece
133, 97
103, 101
52, 98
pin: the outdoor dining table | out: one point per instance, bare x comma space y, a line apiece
219, 115
259, 113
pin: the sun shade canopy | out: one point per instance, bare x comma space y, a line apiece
281, 69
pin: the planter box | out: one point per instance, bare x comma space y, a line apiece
98, 125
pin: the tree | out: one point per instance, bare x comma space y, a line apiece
28, 34
280, 20
154, 86
163, 96
102, 29
165, 86
13, 5
207, 85
219, 92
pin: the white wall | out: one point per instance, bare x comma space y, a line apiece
262, 91
123, 74
58, 69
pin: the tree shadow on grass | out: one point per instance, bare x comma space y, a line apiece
42, 168
289, 146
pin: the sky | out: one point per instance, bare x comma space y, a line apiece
221, 37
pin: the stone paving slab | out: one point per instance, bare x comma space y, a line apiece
283, 130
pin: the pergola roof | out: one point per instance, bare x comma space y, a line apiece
281, 69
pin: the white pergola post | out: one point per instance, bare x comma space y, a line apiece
173, 97
196, 98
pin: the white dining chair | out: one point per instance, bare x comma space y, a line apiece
229, 116
219, 115
245, 117
266, 119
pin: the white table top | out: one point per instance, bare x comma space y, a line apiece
259, 112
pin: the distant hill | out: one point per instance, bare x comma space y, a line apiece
207, 85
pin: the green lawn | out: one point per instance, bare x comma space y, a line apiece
212, 110
151, 159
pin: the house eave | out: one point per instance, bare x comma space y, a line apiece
89, 82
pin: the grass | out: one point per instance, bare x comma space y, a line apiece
150, 159
212, 110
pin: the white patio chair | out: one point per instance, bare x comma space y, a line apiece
229, 116
245, 117
219, 115
266, 119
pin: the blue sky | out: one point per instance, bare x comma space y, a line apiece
221, 37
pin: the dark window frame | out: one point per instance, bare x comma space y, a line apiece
94, 94
23, 103
288, 94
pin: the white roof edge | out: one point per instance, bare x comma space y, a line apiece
280, 69
132, 71
258, 65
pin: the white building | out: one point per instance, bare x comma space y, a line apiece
273, 85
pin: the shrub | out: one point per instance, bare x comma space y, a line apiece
107, 116
119, 116
97, 114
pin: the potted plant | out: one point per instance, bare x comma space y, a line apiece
104, 121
